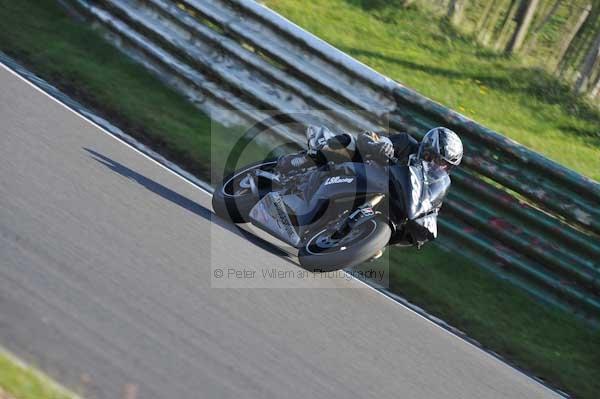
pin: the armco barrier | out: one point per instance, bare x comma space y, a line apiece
527, 219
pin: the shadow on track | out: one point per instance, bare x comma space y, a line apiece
185, 203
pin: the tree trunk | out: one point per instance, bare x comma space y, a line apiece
455, 10
587, 68
486, 32
485, 15
596, 89
506, 23
571, 34
523, 24
536, 31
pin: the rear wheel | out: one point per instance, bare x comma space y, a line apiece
233, 198
324, 252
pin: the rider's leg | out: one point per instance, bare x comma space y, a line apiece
316, 138
323, 146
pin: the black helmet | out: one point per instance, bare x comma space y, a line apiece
442, 146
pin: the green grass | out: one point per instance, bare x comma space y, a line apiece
24, 382
424, 53
551, 343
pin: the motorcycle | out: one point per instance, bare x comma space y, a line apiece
337, 215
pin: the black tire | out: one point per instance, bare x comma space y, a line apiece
318, 257
235, 207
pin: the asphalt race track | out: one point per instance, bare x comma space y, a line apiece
106, 263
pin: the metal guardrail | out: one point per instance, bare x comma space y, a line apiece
516, 213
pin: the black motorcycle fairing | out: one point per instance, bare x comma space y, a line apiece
351, 179
343, 187
322, 197
272, 214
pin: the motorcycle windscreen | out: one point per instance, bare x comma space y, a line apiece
271, 215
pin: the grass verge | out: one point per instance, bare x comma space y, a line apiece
425, 53
23, 382
551, 344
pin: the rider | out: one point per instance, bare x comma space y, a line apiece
441, 148
440, 145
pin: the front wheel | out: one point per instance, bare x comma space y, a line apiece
323, 253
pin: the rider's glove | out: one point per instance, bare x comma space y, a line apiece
385, 148
317, 138
375, 146
381, 148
